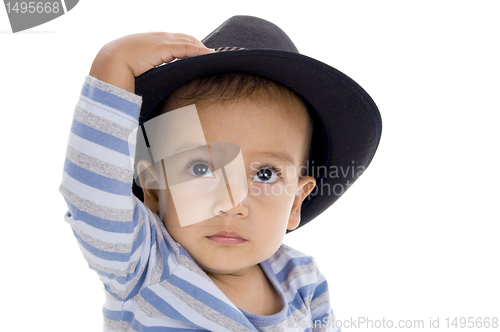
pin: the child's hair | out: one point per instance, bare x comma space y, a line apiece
232, 87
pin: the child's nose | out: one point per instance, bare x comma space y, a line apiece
239, 210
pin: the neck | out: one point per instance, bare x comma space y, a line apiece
249, 289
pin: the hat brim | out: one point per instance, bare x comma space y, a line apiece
347, 122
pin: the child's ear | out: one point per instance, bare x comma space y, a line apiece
304, 187
149, 184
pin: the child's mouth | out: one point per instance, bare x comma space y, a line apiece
226, 238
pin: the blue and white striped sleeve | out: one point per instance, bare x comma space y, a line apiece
111, 225
321, 311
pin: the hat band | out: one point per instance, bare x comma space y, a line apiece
217, 50
225, 49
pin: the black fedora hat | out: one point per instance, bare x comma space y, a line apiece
346, 122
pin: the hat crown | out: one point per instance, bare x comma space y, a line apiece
249, 32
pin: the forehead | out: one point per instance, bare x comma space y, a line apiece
259, 126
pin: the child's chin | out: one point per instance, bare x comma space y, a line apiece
227, 265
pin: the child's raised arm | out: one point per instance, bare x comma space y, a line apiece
115, 231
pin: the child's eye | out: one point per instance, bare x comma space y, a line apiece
200, 168
267, 174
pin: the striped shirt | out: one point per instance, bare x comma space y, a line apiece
151, 282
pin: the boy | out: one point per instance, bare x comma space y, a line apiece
204, 251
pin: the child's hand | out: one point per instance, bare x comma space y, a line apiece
123, 59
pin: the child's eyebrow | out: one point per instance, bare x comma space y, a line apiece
281, 155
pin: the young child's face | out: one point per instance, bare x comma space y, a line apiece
270, 134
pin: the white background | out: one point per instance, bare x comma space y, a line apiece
416, 237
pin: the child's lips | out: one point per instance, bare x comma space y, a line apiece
227, 238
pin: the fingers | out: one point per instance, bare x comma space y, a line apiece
179, 45
188, 38
165, 37
189, 41
183, 50
145, 51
